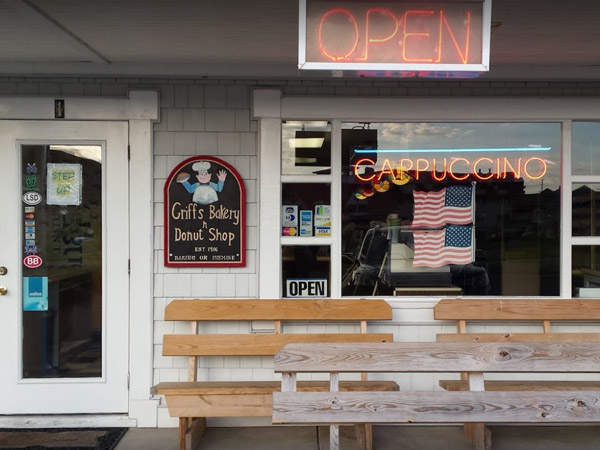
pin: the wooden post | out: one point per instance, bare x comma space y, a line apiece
334, 430
288, 382
364, 432
546, 326
481, 435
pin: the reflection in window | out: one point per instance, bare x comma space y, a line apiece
586, 271
305, 148
451, 208
586, 148
586, 209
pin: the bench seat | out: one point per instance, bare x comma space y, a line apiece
193, 401
236, 398
475, 406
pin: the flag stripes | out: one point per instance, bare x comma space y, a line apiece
451, 205
436, 248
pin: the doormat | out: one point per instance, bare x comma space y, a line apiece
60, 438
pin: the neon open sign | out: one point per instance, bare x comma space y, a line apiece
451, 35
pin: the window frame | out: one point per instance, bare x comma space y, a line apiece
270, 107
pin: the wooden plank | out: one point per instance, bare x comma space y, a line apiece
261, 387
517, 309
300, 309
440, 357
245, 405
524, 385
253, 344
435, 407
518, 337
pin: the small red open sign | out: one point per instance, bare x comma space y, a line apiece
32, 261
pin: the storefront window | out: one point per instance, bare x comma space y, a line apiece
586, 271
306, 209
306, 270
305, 148
586, 209
451, 209
586, 148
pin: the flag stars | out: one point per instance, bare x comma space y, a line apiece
459, 196
458, 236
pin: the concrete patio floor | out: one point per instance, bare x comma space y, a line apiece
384, 438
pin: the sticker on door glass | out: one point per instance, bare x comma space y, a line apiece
32, 261
32, 198
35, 294
64, 184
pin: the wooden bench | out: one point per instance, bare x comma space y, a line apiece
336, 408
499, 314
193, 401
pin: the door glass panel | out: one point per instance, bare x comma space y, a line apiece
62, 262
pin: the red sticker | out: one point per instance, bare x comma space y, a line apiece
32, 261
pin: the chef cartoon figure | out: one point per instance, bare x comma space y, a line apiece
204, 191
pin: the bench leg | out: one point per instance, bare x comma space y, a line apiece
468, 428
364, 436
482, 437
190, 431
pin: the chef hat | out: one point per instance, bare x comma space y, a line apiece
201, 167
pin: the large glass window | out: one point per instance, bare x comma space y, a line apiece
451, 208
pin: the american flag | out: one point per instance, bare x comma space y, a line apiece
435, 248
451, 205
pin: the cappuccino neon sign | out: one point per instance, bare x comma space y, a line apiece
395, 35
459, 168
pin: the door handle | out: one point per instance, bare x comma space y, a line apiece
3, 290
3, 270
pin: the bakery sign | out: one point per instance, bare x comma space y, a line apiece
395, 37
204, 213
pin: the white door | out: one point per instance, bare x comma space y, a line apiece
63, 267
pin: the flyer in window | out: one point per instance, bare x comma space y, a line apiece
64, 184
289, 220
322, 220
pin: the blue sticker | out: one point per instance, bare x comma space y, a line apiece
31, 169
35, 293
31, 249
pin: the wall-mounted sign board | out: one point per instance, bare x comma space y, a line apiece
443, 36
204, 212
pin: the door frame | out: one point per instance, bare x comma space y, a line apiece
140, 109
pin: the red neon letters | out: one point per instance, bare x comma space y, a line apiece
399, 33
483, 168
